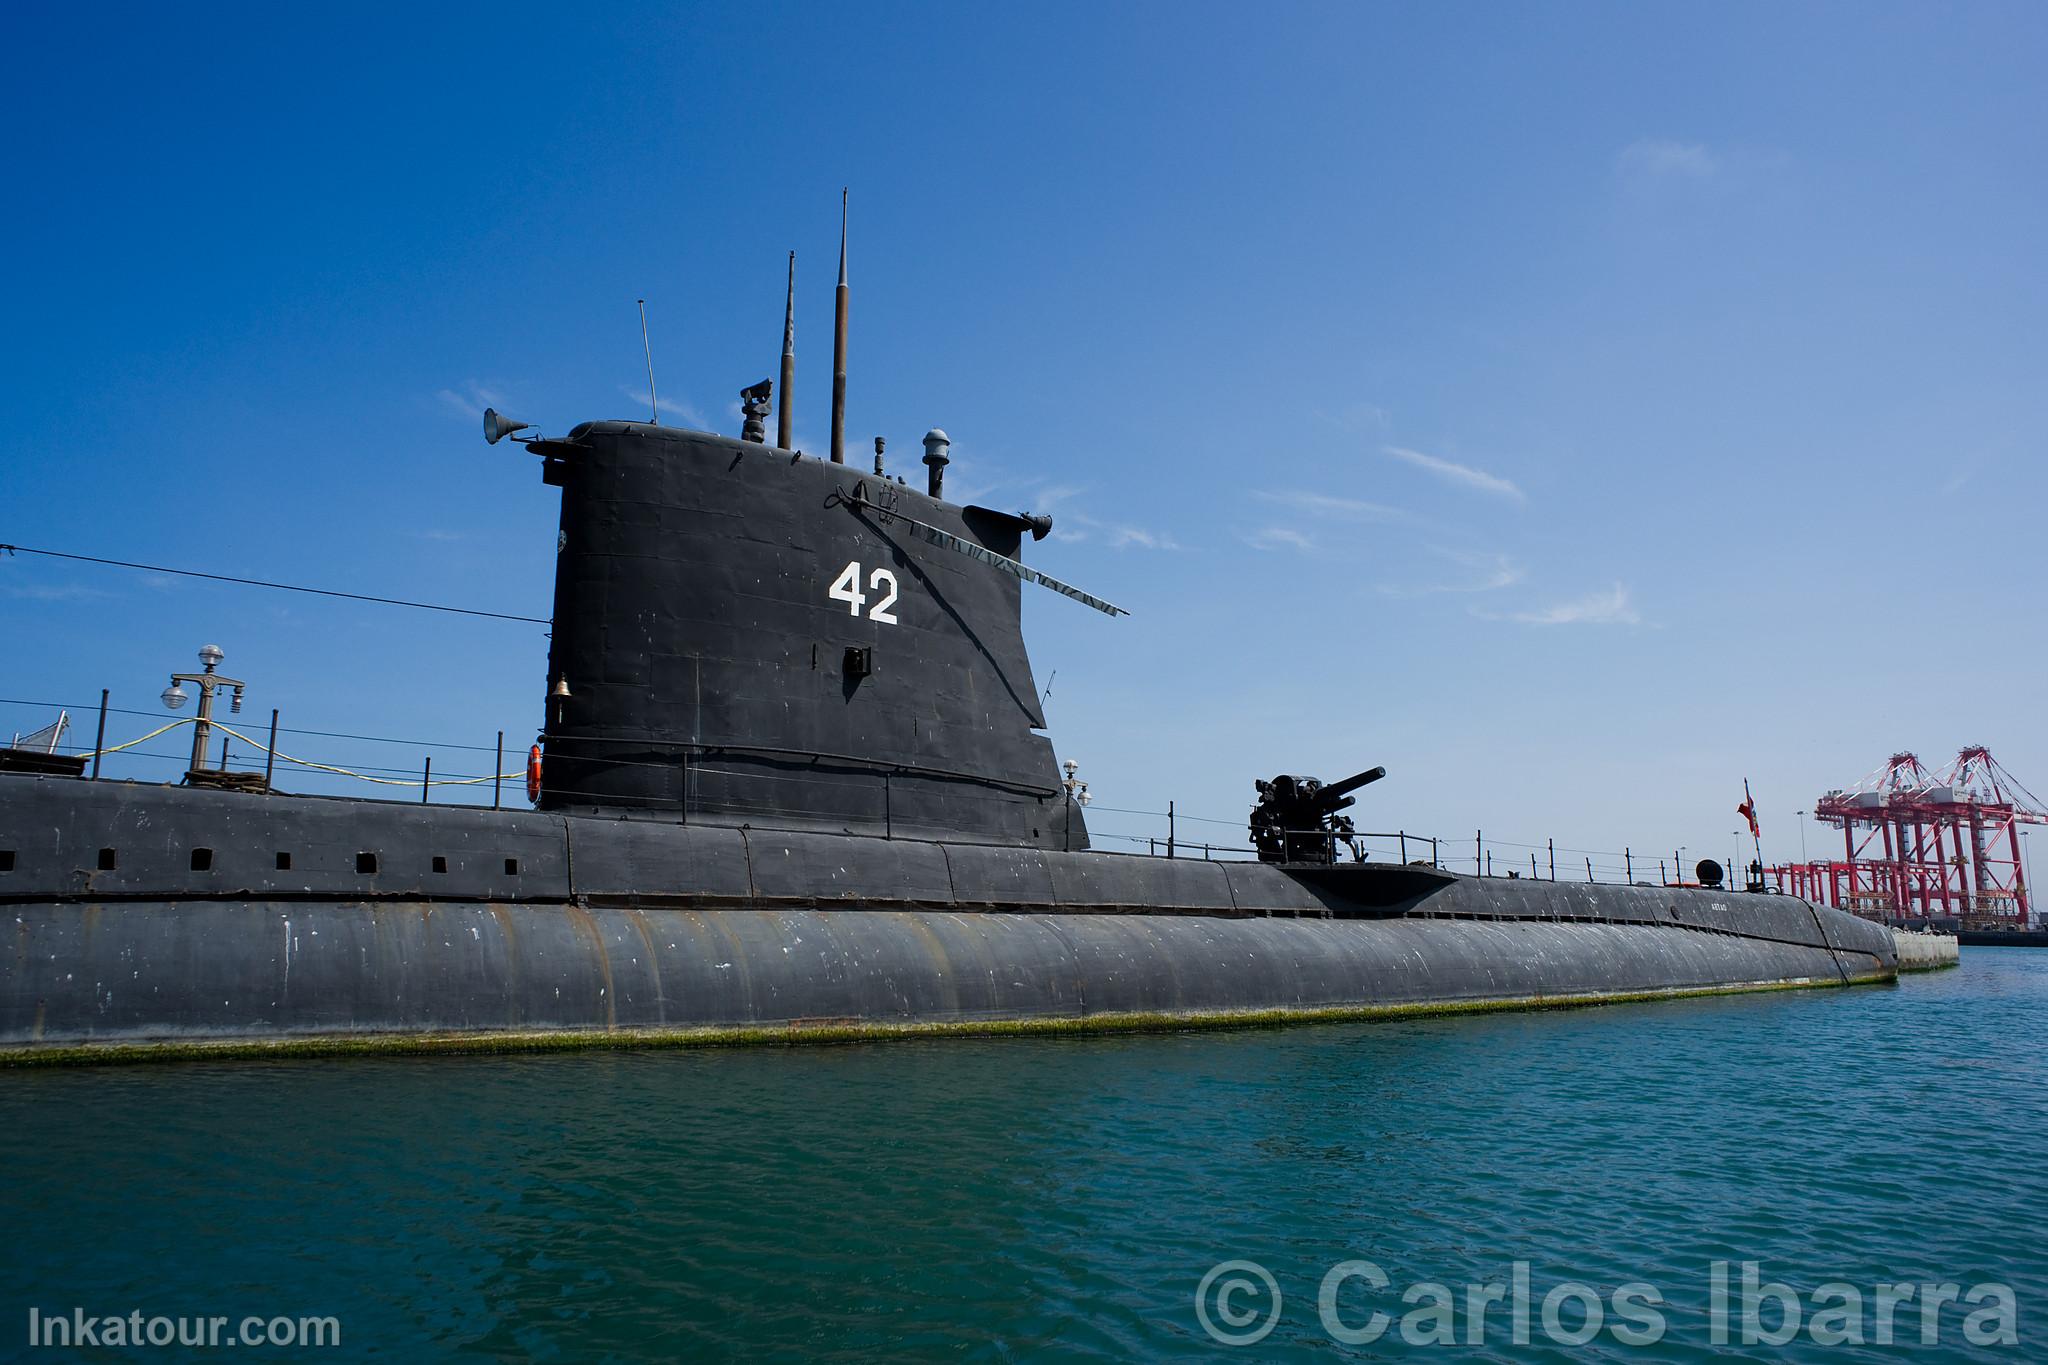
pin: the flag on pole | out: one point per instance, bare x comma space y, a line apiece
1747, 810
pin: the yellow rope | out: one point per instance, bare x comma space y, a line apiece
303, 762
133, 742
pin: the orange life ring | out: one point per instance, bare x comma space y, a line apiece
533, 773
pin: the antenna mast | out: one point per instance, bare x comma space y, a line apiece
839, 347
782, 415
653, 404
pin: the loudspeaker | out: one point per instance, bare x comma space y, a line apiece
496, 428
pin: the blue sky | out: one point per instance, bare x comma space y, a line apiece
1576, 409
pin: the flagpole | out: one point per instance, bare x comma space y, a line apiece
1755, 831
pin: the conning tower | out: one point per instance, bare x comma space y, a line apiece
744, 635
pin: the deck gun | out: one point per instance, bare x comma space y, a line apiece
1296, 819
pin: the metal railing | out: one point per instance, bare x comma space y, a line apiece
346, 761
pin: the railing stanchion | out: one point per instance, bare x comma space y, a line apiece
101, 742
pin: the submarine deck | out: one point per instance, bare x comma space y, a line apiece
319, 924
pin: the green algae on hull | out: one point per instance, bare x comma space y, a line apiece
800, 1033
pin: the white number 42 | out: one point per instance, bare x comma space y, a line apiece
846, 588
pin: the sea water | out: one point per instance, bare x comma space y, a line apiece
1710, 1177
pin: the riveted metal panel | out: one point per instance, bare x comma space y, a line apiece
827, 869
984, 875
1126, 880
645, 858
1261, 888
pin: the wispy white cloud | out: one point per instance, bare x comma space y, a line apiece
1116, 535
1658, 158
688, 413
1070, 525
1611, 607
469, 399
1121, 537
1452, 472
1487, 572
1334, 507
52, 592
966, 483
1356, 417
1281, 538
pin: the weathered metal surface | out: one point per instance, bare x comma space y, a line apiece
610, 923
221, 969
64, 833
704, 654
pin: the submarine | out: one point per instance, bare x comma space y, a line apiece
792, 783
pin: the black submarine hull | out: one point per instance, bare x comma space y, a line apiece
795, 779
580, 928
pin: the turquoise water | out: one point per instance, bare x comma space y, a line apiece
1039, 1198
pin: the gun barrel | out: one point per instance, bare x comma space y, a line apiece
1354, 782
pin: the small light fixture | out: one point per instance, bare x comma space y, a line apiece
175, 696
211, 655
936, 444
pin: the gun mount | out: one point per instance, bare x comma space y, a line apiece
1297, 820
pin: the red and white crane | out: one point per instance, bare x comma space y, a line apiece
1917, 845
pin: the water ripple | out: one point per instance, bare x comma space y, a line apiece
1019, 1199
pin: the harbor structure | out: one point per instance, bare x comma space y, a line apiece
1921, 845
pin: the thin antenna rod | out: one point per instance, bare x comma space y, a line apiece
839, 347
782, 416
653, 404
